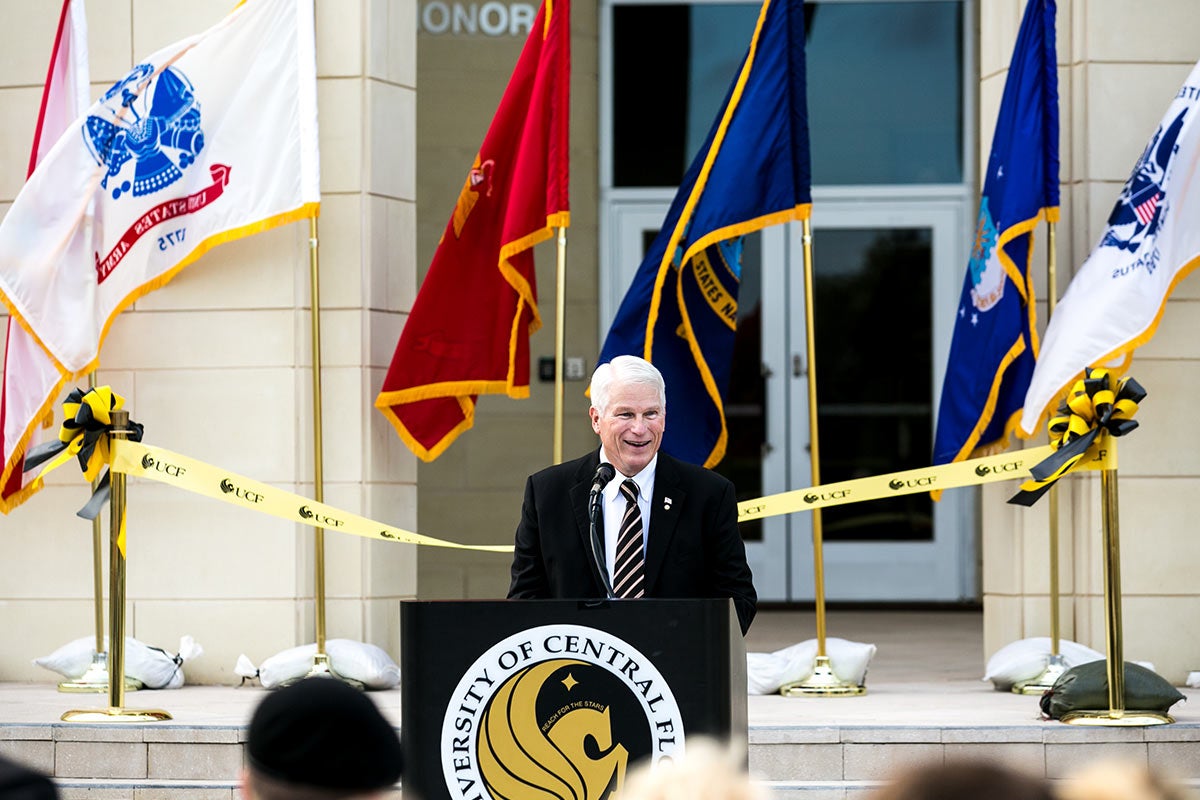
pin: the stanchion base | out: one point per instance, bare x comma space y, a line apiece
822, 683
321, 669
95, 680
1045, 681
113, 714
1125, 719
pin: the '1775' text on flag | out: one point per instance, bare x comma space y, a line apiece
208, 140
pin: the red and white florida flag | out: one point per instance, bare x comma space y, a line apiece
1152, 242
206, 141
31, 381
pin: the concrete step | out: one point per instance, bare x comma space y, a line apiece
128, 789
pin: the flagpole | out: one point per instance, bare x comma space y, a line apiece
559, 342
320, 660
823, 681
320, 665
1055, 665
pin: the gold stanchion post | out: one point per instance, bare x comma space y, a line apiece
95, 678
823, 681
1116, 714
116, 711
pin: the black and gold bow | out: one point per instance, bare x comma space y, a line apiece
87, 422
1096, 403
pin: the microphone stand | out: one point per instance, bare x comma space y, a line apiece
594, 528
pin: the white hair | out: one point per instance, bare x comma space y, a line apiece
625, 369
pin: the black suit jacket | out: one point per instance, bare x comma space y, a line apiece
694, 547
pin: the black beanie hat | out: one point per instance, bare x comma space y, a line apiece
322, 732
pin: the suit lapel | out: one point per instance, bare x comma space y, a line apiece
669, 497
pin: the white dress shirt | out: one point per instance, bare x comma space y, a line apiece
614, 508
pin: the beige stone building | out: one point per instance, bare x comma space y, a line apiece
902, 101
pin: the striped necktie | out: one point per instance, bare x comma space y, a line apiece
630, 564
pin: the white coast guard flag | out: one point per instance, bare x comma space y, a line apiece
1114, 303
208, 140
31, 380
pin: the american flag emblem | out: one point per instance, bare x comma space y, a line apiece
1145, 209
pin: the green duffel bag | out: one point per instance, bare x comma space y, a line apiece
1085, 688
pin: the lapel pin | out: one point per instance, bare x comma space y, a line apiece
666, 504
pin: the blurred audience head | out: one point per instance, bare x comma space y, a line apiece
319, 739
964, 779
709, 770
18, 782
1121, 780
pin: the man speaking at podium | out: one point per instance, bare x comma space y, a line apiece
626, 521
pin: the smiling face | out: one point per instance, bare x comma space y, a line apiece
631, 426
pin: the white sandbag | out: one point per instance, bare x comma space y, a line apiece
849, 660
1025, 659
153, 667
358, 661
366, 663
245, 668
72, 659
287, 665
767, 672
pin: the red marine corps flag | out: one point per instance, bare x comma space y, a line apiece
468, 332
208, 140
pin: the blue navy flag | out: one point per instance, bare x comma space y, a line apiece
680, 313
994, 349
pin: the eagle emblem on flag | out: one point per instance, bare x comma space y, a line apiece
151, 116
1139, 209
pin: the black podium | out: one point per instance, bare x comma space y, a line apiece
512, 698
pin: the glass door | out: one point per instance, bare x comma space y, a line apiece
885, 277
892, 157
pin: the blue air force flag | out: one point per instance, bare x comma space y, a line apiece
994, 348
1115, 301
680, 312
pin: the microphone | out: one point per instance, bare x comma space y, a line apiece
604, 474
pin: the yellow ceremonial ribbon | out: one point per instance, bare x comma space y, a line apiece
989, 469
155, 463
1097, 406
121, 535
85, 434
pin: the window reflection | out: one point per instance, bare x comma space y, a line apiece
884, 88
